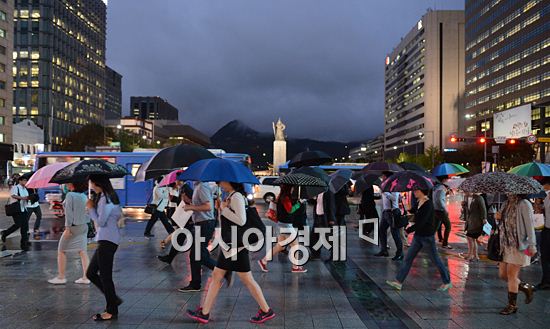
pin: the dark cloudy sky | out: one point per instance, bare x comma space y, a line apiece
319, 64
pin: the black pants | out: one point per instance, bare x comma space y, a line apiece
38, 212
181, 240
100, 272
318, 221
207, 231
341, 220
20, 222
158, 215
395, 233
442, 218
545, 255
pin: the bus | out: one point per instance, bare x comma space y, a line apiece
243, 158
130, 193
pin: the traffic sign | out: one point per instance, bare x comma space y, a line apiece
531, 139
500, 139
543, 139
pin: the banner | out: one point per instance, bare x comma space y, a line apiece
513, 123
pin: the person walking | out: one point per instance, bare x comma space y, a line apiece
202, 206
34, 208
517, 244
441, 213
545, 240
475, 216
18, 193
160, 199
105, 211
424, 236
342, 204
291, 216
323, 214
236, 259
174, 198
390, 204
367, 209
75, 236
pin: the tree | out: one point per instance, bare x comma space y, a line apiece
89, 135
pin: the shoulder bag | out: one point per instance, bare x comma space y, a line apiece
13, 209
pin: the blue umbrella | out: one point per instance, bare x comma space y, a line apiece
447, 169
218, 170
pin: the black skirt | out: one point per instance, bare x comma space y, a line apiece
240, 264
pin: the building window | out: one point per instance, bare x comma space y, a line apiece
2, 50
3, 16
2, 139
2, 68
2, 33
2, 121
2, 85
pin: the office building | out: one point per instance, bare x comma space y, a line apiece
113, 94
507, 63
6, 93
152, 108
424, 84
371, 151
59, 65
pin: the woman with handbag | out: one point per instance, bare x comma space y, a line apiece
233, 213
105, 211
517, 245
291, 215
75, 236
17, 208
159, 203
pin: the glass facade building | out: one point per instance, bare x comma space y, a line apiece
59, 65
152, 108
6, 93
113, 98
507, 62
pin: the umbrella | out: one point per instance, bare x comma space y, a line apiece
308, 186
407, 181
447, 169
380, 167
309, 158
412, 166
27, 175
82, 169
175, 157
41, 178
532, 169
140, 174
365, 181
218, 170
500, 182
170, 178
338, 179
308, 192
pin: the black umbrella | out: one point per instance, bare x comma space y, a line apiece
380, 167
308, 186
172, 158
309, 158
310, 191
82, 169
365, 181
27, 175
412, 166
408, 180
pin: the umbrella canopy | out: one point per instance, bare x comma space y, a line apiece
83, 169
408, 180
170, 178
500, 182
380, 167
140, 174
298, 179
41, 178
449, 169
365, 181
27, 175
532, 169
308, 192
175, 157
412, 166
338, 179
218, 170
309, 158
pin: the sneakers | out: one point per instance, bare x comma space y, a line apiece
198, 316
82, 281
189, 288
263, 266
262, 316
395, 285
397, 257
382, 254
57, 280
298, 269
447, 246
445, 287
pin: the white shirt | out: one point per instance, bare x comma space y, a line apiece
319, 209
173, 192
160, 197
390, 200
22, 192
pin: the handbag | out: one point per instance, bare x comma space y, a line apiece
150, 207
13, 209
493, 247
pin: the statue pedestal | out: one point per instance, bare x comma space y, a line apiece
279, 155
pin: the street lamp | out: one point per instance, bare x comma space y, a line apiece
421, 134
118, 127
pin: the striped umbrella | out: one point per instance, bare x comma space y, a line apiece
532, 169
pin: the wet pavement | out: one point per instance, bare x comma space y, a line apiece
348, 294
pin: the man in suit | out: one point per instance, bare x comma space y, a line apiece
323, 216
545, 240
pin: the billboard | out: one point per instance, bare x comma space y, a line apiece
513, 123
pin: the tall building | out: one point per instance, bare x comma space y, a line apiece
59, 65
424, 84
113, 96
507, 62
6, 93
152, 108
